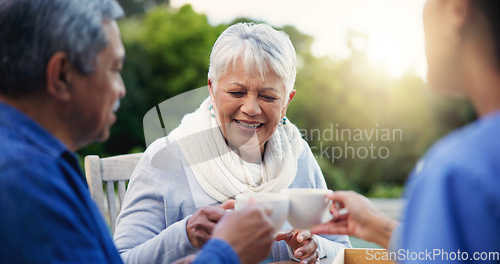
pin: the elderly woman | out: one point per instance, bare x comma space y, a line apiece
238, 141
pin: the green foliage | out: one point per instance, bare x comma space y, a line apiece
353, 95
383, 190
168, 54
133, 7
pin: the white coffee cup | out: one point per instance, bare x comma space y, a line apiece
308, 207
279, 203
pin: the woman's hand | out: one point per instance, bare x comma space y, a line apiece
302, 243
200, 225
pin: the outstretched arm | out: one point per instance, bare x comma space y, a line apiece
361, 220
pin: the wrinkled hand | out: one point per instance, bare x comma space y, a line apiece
249, 231
362, 219
200, 225
302, 243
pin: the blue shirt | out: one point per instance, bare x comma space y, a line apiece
217, 251
46, 212
453, 199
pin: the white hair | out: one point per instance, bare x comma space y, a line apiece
262, 49
31, 31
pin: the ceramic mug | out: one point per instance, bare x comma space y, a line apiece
279, 202
308, 207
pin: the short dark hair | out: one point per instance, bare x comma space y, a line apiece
31, 31
491, 8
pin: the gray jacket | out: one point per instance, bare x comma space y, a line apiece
163, 193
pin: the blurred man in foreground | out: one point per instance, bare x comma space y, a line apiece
60, 87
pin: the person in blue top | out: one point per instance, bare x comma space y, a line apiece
453, 204
60, 87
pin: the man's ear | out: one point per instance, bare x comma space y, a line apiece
58, 74
457, 13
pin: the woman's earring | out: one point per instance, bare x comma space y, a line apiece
283, 121
211, 110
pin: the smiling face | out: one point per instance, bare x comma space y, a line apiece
97, 95
247, 106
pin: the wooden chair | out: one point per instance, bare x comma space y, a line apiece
110, 171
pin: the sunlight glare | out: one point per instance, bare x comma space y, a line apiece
387, 50
394, 27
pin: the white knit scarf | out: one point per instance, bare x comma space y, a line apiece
220, 171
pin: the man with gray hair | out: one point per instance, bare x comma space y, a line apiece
60, 86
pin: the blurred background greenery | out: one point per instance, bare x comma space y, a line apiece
168, 53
